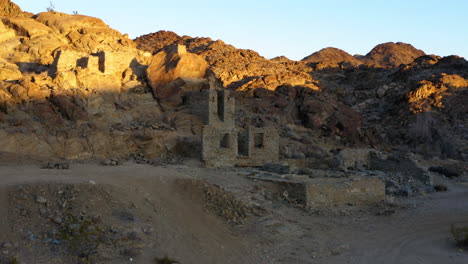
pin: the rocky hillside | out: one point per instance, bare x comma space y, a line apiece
7, 8
392, 54
331, 58
237, 68
62, 77
417, 106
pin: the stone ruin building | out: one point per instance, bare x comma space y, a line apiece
225, 145
105, 62
101, 70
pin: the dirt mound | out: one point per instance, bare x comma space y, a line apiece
331, 57
107, 223
392, 54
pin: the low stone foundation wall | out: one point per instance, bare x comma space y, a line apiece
321, 193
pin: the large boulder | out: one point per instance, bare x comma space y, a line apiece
175, 62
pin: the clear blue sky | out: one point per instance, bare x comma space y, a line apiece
294, 28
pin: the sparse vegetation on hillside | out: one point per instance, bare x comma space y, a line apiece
51, 7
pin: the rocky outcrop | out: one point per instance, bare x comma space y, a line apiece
155, 42
332, 58
7, 8
431, 94
171, 64
84, 33
9, 71
392, 54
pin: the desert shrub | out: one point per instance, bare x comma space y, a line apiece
440, 188
51, 7
165, 260
460, 234
82, 235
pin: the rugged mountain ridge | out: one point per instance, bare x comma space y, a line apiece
238, 69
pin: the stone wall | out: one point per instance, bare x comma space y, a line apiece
322, 193
117, 62
354, 158
106, 62
219, 146
221, 139
262, 146
67, 60
214, 107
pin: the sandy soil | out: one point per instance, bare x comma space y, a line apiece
416, 231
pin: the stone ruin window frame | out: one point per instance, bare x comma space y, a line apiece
259, 140
225, 141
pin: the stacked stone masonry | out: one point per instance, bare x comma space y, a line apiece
322, 193
103, 62
222, 143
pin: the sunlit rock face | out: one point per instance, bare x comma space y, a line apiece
392, 54
236, 68
7, 8
175, 62
434, 93
332, 58
72, 87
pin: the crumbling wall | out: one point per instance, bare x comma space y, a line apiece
226, 109
67, 60
219, 146
116, 62
217, 109
322, 193
355, 158
263, 146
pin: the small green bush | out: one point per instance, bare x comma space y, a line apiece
82, 235
440, 188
